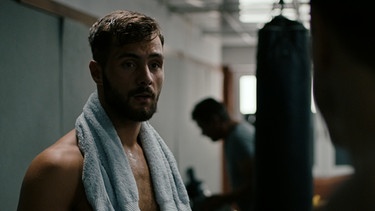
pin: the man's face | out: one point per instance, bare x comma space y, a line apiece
210, 129
324, 76
335, 90
133, 79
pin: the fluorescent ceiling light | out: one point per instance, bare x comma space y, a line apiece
197, 3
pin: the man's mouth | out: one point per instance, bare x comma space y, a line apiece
144, 97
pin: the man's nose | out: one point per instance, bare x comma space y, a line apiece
144, 77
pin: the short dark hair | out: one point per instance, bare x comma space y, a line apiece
352, 22
207, 108
118, 28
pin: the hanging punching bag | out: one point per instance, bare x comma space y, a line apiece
283, 135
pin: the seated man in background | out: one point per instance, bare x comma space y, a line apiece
238, 137
344, 88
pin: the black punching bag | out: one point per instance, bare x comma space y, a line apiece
283, 118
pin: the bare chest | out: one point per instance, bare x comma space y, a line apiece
143, 179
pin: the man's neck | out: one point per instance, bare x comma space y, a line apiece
128, 132
230, 126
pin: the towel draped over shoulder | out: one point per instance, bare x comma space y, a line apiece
107, 176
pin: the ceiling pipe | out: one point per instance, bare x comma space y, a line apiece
236, 26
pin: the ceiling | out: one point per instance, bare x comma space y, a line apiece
236, 22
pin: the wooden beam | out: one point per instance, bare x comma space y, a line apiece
62, 10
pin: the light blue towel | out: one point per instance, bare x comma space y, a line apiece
107, 176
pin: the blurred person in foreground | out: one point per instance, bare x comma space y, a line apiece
214, 121
113, 159
344, 89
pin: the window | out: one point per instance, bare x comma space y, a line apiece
248, 100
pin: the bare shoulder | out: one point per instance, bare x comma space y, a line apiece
62, 155
53, 179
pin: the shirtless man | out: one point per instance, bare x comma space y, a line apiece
127, 52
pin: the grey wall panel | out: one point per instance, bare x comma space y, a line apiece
29, 92
77, 84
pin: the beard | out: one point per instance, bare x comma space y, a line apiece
121, 104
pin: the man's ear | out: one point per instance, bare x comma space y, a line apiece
96, 72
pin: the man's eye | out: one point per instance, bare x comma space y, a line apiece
155, 65
129, 65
